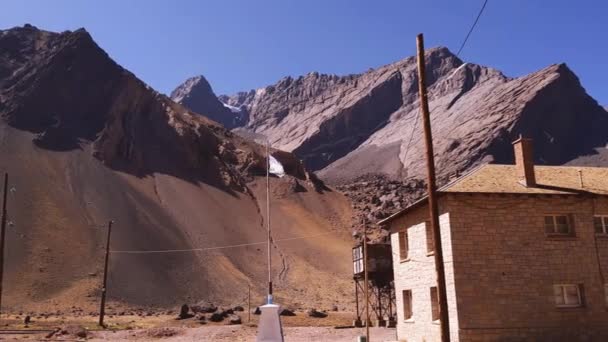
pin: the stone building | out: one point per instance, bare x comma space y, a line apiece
525, 254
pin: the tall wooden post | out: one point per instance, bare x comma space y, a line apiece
366, 286
3, 235
102, 309
431, 189
248, 302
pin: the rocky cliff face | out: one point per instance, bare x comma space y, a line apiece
368, 124
85, 141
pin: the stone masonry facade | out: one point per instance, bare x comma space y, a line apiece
501, 267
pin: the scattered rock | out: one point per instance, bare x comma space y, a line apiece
238, 308
226, 312
287, 312
204, 307
184, 312
161, 332
216, 317
334, 307
316, 314
257, 311
74, 330
234, 319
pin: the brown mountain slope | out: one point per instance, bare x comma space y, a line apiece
84, 141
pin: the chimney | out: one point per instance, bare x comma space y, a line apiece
524, 161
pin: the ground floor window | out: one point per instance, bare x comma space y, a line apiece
434, 303
568, 295
407, 304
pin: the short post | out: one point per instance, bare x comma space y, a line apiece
102, 309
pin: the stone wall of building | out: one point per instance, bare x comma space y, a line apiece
417, 274
501, 268
505, 267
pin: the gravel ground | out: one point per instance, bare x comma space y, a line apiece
244, 333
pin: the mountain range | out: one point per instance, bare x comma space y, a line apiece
359, 131
84, 142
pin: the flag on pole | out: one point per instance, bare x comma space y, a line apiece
275, 167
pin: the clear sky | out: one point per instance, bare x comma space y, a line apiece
244, 44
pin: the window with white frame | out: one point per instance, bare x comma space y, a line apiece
600, 222
558, 225
403, 245
568, 295
358, 260
407, 304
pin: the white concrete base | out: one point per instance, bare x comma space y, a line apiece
269, 326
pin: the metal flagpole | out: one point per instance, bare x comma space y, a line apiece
3, 234
268, 219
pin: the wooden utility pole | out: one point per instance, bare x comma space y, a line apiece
3, 235
248, 302
366, 285
102, 309
431, 189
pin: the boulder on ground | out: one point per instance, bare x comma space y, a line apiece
204, 307
225, 312
287, 312
184, 312
234, 319
238, 308
316, 314
257, 311
216, 317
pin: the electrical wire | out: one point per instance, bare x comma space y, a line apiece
213, 248
464, 42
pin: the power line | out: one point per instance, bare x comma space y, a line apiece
216, 247
472, 28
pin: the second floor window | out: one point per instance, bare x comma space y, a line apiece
558, 225
601, 224
430, 242
403, 245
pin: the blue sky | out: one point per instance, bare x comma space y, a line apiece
244, 44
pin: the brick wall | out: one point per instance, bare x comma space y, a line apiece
501, 267
505, 267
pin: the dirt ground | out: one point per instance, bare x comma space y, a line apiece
245, 333
299, 328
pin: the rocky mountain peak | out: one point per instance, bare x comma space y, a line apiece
194, 86
196, 93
